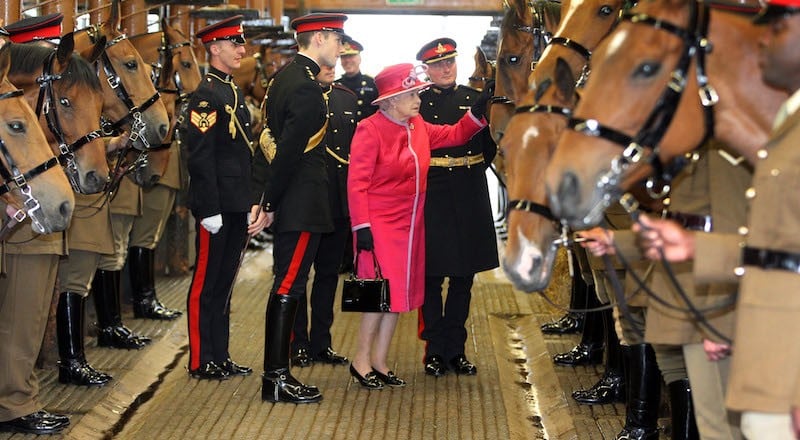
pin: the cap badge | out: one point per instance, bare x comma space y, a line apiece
440, 48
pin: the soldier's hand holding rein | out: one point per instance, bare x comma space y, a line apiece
212, 224
117, 142
258, 220
600, 241
656, 235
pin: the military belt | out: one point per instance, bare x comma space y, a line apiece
463, 161
769, 259
693, 222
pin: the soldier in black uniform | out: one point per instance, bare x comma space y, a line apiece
342, 108
362, 85
459, 228
291, 182
217, 136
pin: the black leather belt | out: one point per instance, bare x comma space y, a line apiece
692, 221
769, 259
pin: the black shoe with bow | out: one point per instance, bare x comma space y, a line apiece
328, 356
609, 389
581, 354
210, 371
389, 378
435, 366
39, 423
369, 380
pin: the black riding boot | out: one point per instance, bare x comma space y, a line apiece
278, 384
611, 386
72, 365
590, 350
684, 426
142, 274
644, 394
571, 322
110, 330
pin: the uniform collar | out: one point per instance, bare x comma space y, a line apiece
306, 61
444, 90
220, 74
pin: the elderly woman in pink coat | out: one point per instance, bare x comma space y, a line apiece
389, 159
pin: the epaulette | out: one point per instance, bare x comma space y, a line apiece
341, 87
472, 89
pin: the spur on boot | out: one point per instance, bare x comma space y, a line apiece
280, 386
609, 389
389, 378
369, 380
581, 354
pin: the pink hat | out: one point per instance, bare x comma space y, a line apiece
399, 79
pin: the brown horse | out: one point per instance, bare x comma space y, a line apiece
533, 131
32, 181
130, 100
64, 89
484, 70
660, 52
524, 33
175, 74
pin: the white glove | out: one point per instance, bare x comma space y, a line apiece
212, 224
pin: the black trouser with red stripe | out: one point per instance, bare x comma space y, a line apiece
209, 294
441, 326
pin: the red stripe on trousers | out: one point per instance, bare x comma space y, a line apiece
294, 265
194, 299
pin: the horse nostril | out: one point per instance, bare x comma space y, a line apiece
154, 179
65, 209
568, 193
163, 129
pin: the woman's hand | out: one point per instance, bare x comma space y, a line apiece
364, 240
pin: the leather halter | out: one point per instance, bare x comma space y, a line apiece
696, 45
165, 55
14, 178
46, 103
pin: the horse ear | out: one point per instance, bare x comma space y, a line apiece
65, 48
5, 60
565, 79
113, 18
480, 56
92, 53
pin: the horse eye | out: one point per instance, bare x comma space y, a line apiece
186, 64
647, 69
16, 126
513, 60
65, 102
605, 11
131, 64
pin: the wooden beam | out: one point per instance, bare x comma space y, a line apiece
451, 7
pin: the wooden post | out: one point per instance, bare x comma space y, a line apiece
276, 10
10, 10
66, 7
100, 10
134, 16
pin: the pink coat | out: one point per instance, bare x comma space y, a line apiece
386, 185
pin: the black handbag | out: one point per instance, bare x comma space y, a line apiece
366, 295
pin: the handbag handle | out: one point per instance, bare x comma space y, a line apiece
374, 260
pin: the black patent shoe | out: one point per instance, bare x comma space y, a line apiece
637, 434
581, 354
569, 323
235, 369
389, 378
301, 358
461, 366
369, 380
609, 389
328, 356
434, 366
151, 308
210, 371
79, 372
39, 423
280, 386
122, 337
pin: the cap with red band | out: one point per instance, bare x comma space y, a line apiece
776, 9
351, 47
437, 50
227, 29
319, 22
36, 28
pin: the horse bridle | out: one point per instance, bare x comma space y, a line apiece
166, 53
45, 103
541, 38
696, 45
14, 178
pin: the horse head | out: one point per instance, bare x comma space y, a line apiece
32, 180
641, 105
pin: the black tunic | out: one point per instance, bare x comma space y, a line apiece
295, 184
342, 109
365, 89
459, 226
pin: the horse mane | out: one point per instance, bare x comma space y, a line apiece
519, 11
28, 59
